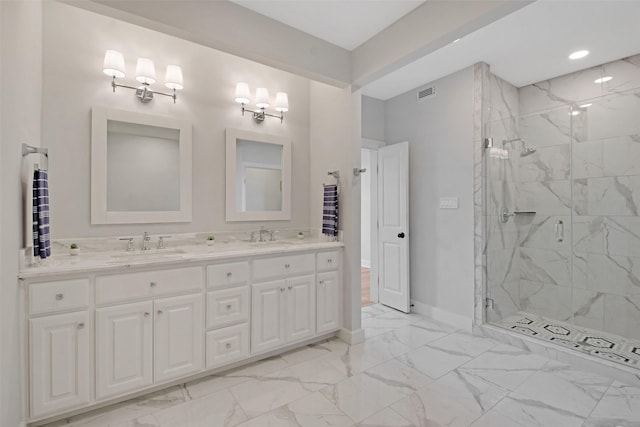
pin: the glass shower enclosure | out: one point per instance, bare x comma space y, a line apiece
562, 188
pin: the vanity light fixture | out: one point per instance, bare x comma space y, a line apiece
262, 102
603, 79
145, 74
579, 54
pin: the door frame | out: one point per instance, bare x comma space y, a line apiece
373, 145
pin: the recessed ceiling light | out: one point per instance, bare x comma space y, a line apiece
586, 105
579, 54
603, 79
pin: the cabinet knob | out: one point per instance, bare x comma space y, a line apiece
229, 274
81, 325
329, 261
59, 297
147, 314
286, 266
228, 306
290, 287
322, 282
228, 345
159, 312
153, 284
281, 289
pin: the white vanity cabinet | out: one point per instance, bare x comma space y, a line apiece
152, 341
59, 330
96, 335
329, 292
283, 311
228, 312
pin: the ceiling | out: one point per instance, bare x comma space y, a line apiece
526, 46
345, 23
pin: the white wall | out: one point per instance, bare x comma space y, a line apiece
372, 118
74, 44
440, 133
20, 84
335, 145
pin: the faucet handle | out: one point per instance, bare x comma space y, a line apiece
253, 237
161, 241
272, 238
129, 242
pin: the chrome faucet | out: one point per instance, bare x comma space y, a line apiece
263, 232
146, 238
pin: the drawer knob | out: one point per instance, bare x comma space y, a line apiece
81, 325
228, 345
290, 287
159, 312
286, 266
146, 314
228, 306
322, 282
59, 297
153, 284
329, 261
281, 289
229, 274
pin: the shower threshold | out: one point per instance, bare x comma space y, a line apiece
599, 344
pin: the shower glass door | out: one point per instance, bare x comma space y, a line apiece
562, 206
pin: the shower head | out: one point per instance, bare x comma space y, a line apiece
527, 151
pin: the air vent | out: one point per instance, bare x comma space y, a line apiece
428, 92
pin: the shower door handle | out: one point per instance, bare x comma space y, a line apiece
559, 231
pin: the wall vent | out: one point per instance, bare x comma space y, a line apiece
428, 92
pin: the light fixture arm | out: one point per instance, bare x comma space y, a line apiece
259, 115
144, 93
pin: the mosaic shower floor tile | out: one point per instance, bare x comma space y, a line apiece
596, 343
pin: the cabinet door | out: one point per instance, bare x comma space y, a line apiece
59, 362
301, 308
328, 302
123, 348
178, 336
267, 311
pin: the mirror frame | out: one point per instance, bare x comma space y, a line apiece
232, 136
99, 212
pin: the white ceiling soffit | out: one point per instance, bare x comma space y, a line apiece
529, 45
345, 23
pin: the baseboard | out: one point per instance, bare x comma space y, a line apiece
443, 316
351, 337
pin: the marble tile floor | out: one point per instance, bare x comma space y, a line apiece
409, 371
600, 344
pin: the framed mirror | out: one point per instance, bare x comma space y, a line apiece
140, 168
258, 176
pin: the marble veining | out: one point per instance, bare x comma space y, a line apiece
493, 385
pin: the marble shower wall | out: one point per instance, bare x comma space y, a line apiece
503, 254
601, 143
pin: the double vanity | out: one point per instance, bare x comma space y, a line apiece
101, 327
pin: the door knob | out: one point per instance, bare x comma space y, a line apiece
401, 235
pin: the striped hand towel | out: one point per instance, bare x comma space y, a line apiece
41, 239
330, 211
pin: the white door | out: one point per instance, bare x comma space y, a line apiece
393, 220
59, 367
124, 338
301, 307
328, 297
267, 307
178, 336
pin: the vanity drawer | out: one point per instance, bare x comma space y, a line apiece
227, 306
328, 261
50, 297
125, 287
222, 275
290, 265
227, 345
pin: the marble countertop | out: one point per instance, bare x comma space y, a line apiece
115, 261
